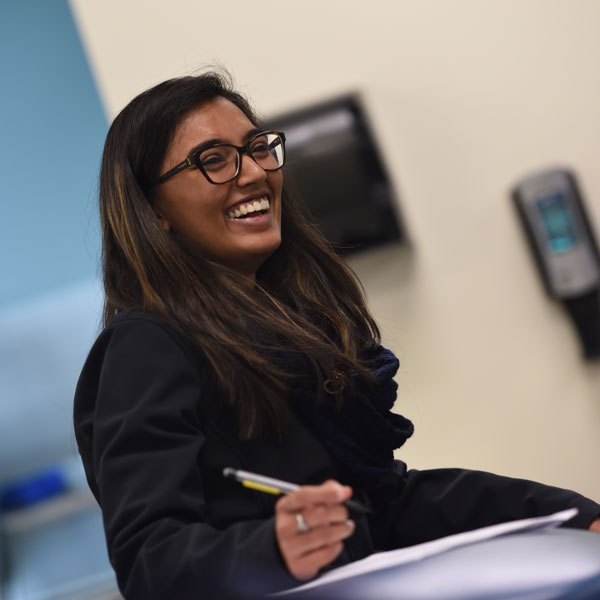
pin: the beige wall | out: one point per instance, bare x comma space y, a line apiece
465, 96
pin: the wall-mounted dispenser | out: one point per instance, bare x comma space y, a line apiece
554, 219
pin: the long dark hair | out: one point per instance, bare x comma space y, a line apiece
306, 302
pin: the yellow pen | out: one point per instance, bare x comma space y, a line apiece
269, 485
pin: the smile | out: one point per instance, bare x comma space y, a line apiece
253, 207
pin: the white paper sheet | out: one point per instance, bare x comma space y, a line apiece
392, 558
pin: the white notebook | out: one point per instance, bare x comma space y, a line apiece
402, 556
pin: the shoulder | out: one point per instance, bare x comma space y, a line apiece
143, 324
139, 364
136, 333
139, 347
142, 377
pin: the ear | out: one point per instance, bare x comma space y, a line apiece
164, 223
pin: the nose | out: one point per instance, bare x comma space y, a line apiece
250, 171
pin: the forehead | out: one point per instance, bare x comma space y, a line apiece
218, 119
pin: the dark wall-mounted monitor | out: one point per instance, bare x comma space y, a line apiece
334, 165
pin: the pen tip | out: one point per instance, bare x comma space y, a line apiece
228, 472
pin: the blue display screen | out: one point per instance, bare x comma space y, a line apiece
558, 223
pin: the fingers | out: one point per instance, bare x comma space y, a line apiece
319, 515
321, 509
305, 554
330, 492
308, 566
319, 506
315, 516
321, 537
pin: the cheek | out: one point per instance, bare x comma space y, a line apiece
191, 210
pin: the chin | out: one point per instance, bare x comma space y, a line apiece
266, 246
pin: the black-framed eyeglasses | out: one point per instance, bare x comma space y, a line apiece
221, 163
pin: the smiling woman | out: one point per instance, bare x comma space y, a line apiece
200, 204
235, 338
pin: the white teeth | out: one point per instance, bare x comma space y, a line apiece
249, 207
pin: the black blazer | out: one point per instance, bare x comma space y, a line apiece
154, 436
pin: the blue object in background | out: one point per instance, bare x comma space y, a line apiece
33, 490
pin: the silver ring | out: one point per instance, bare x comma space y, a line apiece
302, 526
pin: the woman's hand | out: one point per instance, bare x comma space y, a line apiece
595, 526
326, 519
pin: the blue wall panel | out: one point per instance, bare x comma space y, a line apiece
52, 128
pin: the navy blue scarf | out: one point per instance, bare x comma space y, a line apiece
362, 435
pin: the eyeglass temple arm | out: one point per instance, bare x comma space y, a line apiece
176, 169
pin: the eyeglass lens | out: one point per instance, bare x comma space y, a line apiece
221, 163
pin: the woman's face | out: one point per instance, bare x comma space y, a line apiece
203, 213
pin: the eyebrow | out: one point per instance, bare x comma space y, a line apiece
216, 141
